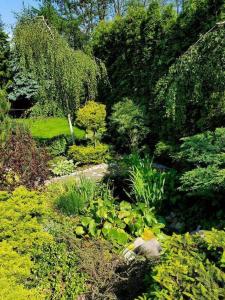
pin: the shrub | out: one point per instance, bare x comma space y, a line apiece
101, 265
60, 166
14, 271
129, 122
21, 234
22, 162
91, 117
56, 146
19, 220
36, 262
205, 154
56, 270
189, 269
76, 196
89, 154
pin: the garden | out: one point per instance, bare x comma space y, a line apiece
112, 151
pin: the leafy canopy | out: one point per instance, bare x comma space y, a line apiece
191, 96
64, 76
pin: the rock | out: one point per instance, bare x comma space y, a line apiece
151, 248
147, 245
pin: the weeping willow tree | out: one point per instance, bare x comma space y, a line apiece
191, 97
67, 78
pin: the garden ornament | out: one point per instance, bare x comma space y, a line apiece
147, 245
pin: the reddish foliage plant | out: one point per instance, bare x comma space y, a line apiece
22, 162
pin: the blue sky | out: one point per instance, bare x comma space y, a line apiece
9, 7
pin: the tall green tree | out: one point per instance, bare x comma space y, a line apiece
65, 77
4, 57
4, 120
23, 86
140, 48
191, 97
86, 13
129, 47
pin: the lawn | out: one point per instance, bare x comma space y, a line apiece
47, 128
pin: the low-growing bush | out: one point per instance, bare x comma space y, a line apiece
192, 267
60, 166
205, 155
14, 271
102, 268
89, 154
21, 234
22, 162
21, 212
55, 146
56, 271
36, 262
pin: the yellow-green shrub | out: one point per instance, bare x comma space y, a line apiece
34, 264
191, 268
14, 270
21, 234
89, 154
19, 220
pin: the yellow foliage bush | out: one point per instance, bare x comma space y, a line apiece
19, 220
89, 154
21, 234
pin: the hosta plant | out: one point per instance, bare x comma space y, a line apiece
61, 166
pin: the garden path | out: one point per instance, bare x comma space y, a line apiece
96, 173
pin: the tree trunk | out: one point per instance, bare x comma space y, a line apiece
71, 129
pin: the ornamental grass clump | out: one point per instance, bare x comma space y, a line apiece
146, 183
76, 196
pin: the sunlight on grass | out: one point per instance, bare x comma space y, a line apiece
48, 128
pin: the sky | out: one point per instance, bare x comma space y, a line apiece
9, 7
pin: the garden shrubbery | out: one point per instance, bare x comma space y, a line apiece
21, 236
192, 267
22, 162
205, 155
150, 82
89, 154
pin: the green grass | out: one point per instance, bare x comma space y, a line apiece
48, 128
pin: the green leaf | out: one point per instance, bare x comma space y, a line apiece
92, 227
102, 212
125, 206
85, 221
79, 230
